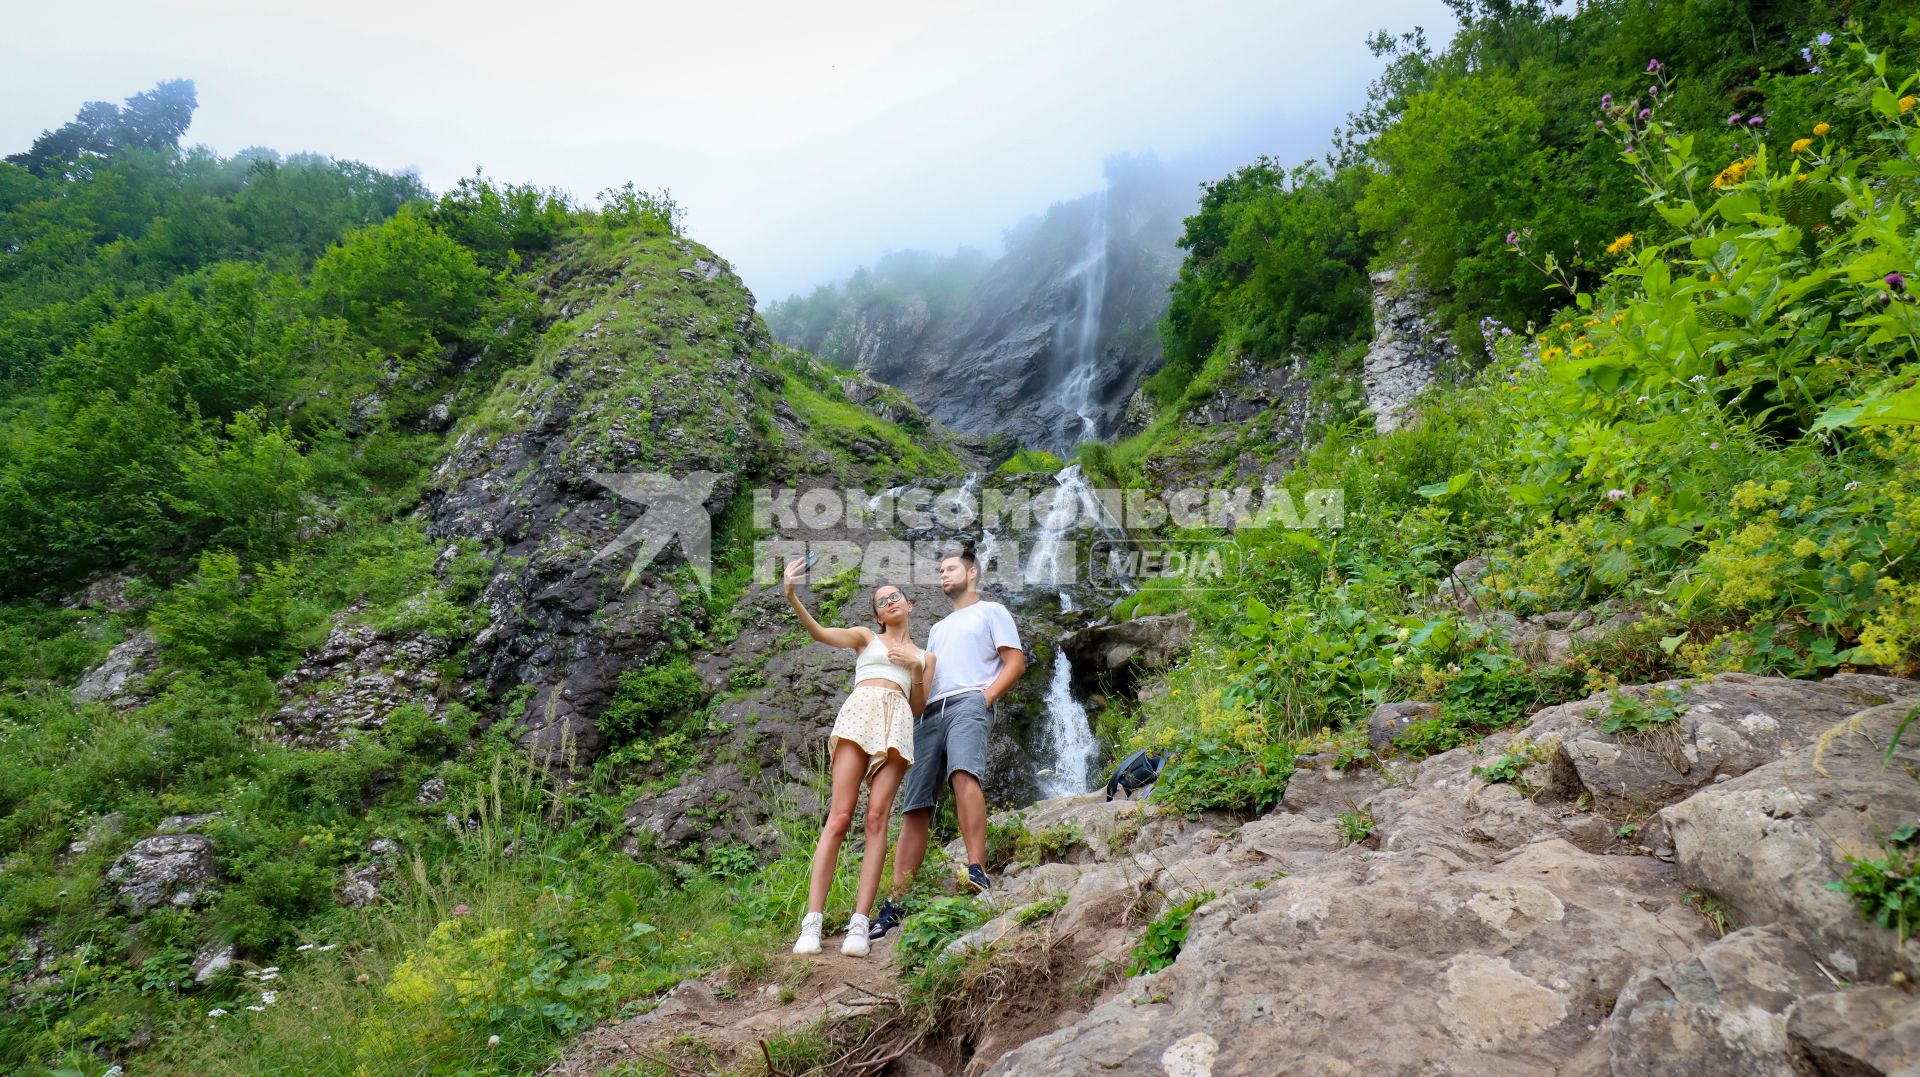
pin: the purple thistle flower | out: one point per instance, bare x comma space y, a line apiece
1598, 126
1654, 65
1606, 100
1755, 121
1513, 238
1824, 38
1733, 119
1896, 282
1653, 91
1645, 112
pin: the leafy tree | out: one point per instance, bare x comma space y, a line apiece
150, 120
501, 223
405, 286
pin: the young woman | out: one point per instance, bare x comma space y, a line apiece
872, 741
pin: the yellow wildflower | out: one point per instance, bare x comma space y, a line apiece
1907, 103
1800, 145
1551, 354
1734, 172
1820, 129
1621, 244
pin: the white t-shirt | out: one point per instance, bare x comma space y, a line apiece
967, 643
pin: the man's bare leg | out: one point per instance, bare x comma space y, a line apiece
911, 849
970, 803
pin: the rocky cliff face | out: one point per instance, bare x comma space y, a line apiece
1407, 351
1046, 344
655, 363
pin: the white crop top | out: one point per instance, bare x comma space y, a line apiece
873, 662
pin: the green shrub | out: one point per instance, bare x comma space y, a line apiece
1029, 461
1355, 825
655, 213
221, 614
1886, 888
404, 287
1165, 937
1626, 715
643, 698
1218, 773
927, 932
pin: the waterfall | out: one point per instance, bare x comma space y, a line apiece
1069, 736
1071, 507
1080, 343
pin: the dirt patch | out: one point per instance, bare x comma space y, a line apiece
704, 1027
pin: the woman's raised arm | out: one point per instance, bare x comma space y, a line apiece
854, 638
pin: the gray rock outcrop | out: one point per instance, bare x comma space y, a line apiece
1489, 929
113, 679
1142, 645
166, 869
1407, 350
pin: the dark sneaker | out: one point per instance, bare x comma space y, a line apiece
977, 878
886, 919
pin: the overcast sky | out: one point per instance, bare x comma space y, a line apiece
803, 139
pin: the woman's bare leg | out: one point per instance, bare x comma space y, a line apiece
886, 782
849, 767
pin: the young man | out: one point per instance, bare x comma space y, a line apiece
977, 658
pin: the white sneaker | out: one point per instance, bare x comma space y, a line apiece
809, 942
856, 944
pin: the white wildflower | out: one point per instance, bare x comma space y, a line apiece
328, 946
493, 1041
268, 997
1698, 378
1643, 399
216, 1012
303, 948
257, 1009
1852, 486
1615, 495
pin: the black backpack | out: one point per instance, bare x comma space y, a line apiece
1140, 768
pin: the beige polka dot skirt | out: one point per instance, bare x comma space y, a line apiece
876, 719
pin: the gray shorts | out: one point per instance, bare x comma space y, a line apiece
950, 736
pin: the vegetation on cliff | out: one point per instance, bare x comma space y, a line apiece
228, 384
1696, 407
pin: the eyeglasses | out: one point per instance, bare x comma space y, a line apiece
884, 601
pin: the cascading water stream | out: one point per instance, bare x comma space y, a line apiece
1080, 339
1069, 736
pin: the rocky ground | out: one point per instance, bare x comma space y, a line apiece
1628, 904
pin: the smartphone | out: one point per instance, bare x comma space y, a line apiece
812, 556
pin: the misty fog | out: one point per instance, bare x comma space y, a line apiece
804, 140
